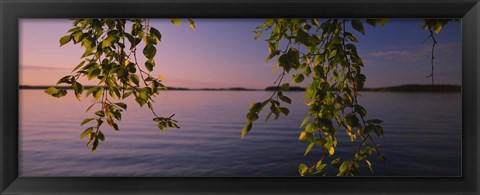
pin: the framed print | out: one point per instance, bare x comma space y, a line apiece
239, 97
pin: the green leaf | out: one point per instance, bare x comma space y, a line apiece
65, 39
309, 147
351, 120
307, 71
256, 107
258, 35
174, 125
51, 90
266, 23
95, 144
251, 116
284, 62
302, 169
66, 79
100, 135
141, 101
344, 166
77, 37
285, 99
89, 43
91, 90
149, 64
192, 24
162, 126
360, 80
305, 136
378, 130
319, 166
79, 66
176, 21
438, 28
372, 22
285, 86
383, 21
108, 42
350, 37
357, 25
93, 73
122, 105
336, 162
305, 121
369, 128
332, 54
156, 33
284, 110
361, 110
100, 113
125, 95
134, 42
246, 129
369, 166
144, 93
293, 57
90, 107
112, 124
298, 78
301, 36
149, 51
111, 83
274, 108
151, 39
155, 85
86, 120
56, 93
134, 78
86, 132
148, 104
331, 150
311, 127
98, 93
99, 122
78, 89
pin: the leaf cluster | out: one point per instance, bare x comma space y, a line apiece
110, 57
324, 50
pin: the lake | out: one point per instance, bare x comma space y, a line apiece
422, 136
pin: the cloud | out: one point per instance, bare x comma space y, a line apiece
420, 52
28, 67
403, 54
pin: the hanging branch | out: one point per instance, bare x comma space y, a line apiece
434, 42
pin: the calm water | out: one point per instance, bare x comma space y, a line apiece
422, 137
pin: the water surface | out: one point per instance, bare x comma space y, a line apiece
422, 136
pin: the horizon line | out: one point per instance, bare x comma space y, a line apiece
243, 88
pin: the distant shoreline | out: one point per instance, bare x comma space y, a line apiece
399, 88
417, 88
169, 88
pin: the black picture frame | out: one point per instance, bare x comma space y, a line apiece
12, 10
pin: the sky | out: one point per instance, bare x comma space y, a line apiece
222, 53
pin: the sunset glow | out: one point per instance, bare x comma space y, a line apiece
222, 53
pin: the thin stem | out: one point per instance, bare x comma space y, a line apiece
279, 79
433, 57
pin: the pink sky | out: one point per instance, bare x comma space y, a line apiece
184, 57
222, 53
